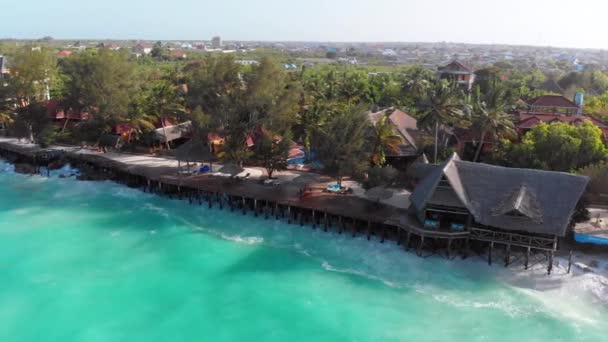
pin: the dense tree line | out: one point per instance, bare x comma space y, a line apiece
324, 108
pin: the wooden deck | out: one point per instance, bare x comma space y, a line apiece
344, 213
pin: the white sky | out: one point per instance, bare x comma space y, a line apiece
580, 23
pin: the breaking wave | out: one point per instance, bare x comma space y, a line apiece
327, 266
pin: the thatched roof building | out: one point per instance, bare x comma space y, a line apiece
194, 150
509, 199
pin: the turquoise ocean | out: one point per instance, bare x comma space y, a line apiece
96, 261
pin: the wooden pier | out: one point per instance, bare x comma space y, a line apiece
332, 213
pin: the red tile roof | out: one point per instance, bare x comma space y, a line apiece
552, 101
527, 121
178, 54
123, 128
64, 53
455, 66
56, 110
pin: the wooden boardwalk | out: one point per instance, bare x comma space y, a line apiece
288, 200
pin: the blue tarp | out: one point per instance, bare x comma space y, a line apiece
596, 240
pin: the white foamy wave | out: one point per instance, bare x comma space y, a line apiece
247, 240
66, 171
302, 250
579, 296
159, 210
6, 167
328, 267
502, 305
24, 211
251, 240
125, 192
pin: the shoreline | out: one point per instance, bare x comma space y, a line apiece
328, 212
347, 214
593, 279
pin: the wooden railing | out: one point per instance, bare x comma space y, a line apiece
548, 244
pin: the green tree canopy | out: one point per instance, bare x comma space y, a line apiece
341, 144
556, 147
33, 72
272, 151
103, 82
384, 139
441, 105
489, 117
271, 99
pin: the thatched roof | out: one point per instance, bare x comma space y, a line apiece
193, 151
521, 202
529, 200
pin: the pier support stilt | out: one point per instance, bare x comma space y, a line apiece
490, 253
508, 255
449, 249
369, 229
527, 258
550, 266
420, 245
569, 261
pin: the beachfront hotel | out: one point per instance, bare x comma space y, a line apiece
464, 201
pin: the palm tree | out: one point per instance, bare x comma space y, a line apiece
489, 117
440, 106
309, 119
384, 140
164, 101
416, 82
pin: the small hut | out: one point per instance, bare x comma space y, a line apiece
193, 151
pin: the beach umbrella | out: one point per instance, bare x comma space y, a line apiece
231, 169
379, 193
194, 151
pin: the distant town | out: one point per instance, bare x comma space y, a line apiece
296, 54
